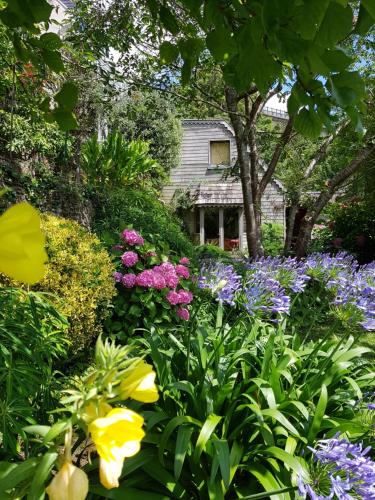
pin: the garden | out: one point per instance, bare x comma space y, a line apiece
135, 363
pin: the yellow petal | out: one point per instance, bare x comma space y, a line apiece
70, 483
118, 434
109, 472
22, 253
139, 384
146, 391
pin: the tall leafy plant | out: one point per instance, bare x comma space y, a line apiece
239, 404
31, 340
115, 162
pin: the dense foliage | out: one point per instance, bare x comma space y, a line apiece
120, 208
153, 287
33, 338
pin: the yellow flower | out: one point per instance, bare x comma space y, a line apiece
94, 410
116, 436
22, 253
140, 384
70, 483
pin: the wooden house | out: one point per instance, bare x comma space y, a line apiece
215, 216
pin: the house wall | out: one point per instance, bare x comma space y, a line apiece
193, 168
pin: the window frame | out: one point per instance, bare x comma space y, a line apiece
215, 166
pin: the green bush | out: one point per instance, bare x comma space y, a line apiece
32, 338
79, 276
120, 208
272, 238
212, 252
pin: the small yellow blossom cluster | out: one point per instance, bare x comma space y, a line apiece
116, 433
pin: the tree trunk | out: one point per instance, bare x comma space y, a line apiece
290, 228
252, 226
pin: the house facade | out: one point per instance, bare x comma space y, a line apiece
215, 214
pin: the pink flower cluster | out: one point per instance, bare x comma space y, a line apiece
129, 259
163, 276
132, 238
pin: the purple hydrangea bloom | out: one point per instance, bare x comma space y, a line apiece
221, 279
182, 271
132, 238
184, 297
129, 280
129, 259
183, 313
185, 261
173, 298
145, 279
159, 281
117, 276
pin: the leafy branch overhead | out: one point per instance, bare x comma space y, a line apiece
26, 22
295, 43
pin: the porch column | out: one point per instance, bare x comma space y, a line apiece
240, 228
221, 228
201, 226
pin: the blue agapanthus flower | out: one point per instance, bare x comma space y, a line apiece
222, 280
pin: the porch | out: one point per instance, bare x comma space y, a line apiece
220, 225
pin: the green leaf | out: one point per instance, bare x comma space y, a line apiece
186, 71
156, 471
364, 21
347, 88
50, 41
205, 434
309, 16
36, 491
57, 429
222, 450
264, 476
288, 459
39, 430
66, 120
168, 52
369, 5
319, 414
67, 96
168, 20
14, 476
170, 427
277, 415
336, 59
53, 60
308, 123
336, 25
221, 44
183, 439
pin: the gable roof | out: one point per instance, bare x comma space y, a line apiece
222, 123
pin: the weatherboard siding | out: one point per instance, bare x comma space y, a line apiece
194, 170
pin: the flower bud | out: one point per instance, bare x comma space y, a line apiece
109, 472
70, 483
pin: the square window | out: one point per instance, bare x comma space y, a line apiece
219, 152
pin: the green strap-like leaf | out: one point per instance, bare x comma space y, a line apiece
319, 414
183, 439
205, 434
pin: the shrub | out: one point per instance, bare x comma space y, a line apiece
212, 252
351, 227
272, 238
32, 338
79, 273
153, 288
121, 208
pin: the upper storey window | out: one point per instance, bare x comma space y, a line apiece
219, 153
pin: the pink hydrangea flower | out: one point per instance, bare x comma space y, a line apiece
128, 280
171, 280
185, 297
182, 271
146, 279
185, 261
173, 297
132, 237
117, 276
183, 313
129, 259
159, 281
